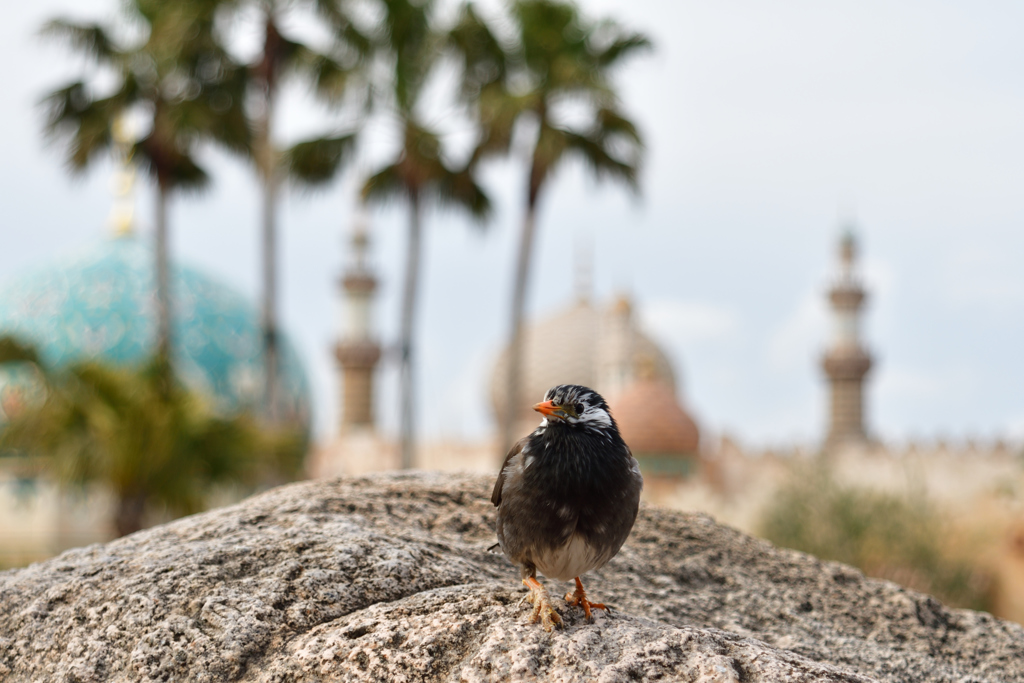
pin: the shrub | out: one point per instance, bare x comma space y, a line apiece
903, 538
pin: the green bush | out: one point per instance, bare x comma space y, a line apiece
155, 444
903, 538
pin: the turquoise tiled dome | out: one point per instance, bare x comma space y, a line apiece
102, 304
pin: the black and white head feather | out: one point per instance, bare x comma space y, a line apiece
584, 407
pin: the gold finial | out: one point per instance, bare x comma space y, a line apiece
360, 237
645, 367
622, 305
122, 214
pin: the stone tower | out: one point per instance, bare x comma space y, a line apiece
357, 351
846, 361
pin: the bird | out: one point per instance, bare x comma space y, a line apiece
567, 497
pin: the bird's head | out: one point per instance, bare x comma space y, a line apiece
575, 405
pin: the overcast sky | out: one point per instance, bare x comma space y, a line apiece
767, 125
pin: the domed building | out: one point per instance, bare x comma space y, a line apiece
101, 304
604, 348
663, 437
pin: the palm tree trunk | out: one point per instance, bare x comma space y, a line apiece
163, 294
515, 347
267, 162
269, 317
409, 291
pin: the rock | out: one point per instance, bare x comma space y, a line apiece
388, 577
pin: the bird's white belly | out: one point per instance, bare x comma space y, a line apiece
568, 561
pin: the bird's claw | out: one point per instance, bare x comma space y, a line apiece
545, 614
543, 611
578, 598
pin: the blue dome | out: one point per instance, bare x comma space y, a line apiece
102, 304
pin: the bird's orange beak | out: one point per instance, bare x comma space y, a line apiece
547, 408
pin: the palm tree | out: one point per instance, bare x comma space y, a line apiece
309, 163
419, 175
122, 428
179, 79
558, 57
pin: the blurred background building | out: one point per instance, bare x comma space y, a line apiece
99, 305
600, 346
976, 482
846, 363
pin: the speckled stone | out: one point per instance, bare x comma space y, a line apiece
388, 578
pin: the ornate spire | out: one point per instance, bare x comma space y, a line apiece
357, 350
847, 361
122, 213
583, 275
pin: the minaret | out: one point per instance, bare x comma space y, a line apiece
357, 351
846, 362
583, 275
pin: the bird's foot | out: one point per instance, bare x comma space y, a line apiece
542, 609
578, 598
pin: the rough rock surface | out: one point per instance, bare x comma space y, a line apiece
389, 578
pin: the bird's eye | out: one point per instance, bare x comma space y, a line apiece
579, 408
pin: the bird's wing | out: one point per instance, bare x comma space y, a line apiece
635, 467
496, 494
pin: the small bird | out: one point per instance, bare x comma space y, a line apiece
567, 497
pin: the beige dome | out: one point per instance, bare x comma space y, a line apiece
600, 349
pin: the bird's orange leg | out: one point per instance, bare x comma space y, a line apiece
542, 609
580, 598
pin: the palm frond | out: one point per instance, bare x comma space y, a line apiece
611, 123
216, 113
621, 48
188, 176
83, 122
91, 40
460, 190
330, 79
552, 39
338, 15
348, 37
498, 113
317, 161
485, 60
169, 162
384, 186
227, 124
411, 46
597, 158
548, 150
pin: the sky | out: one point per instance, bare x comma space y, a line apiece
769, 127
